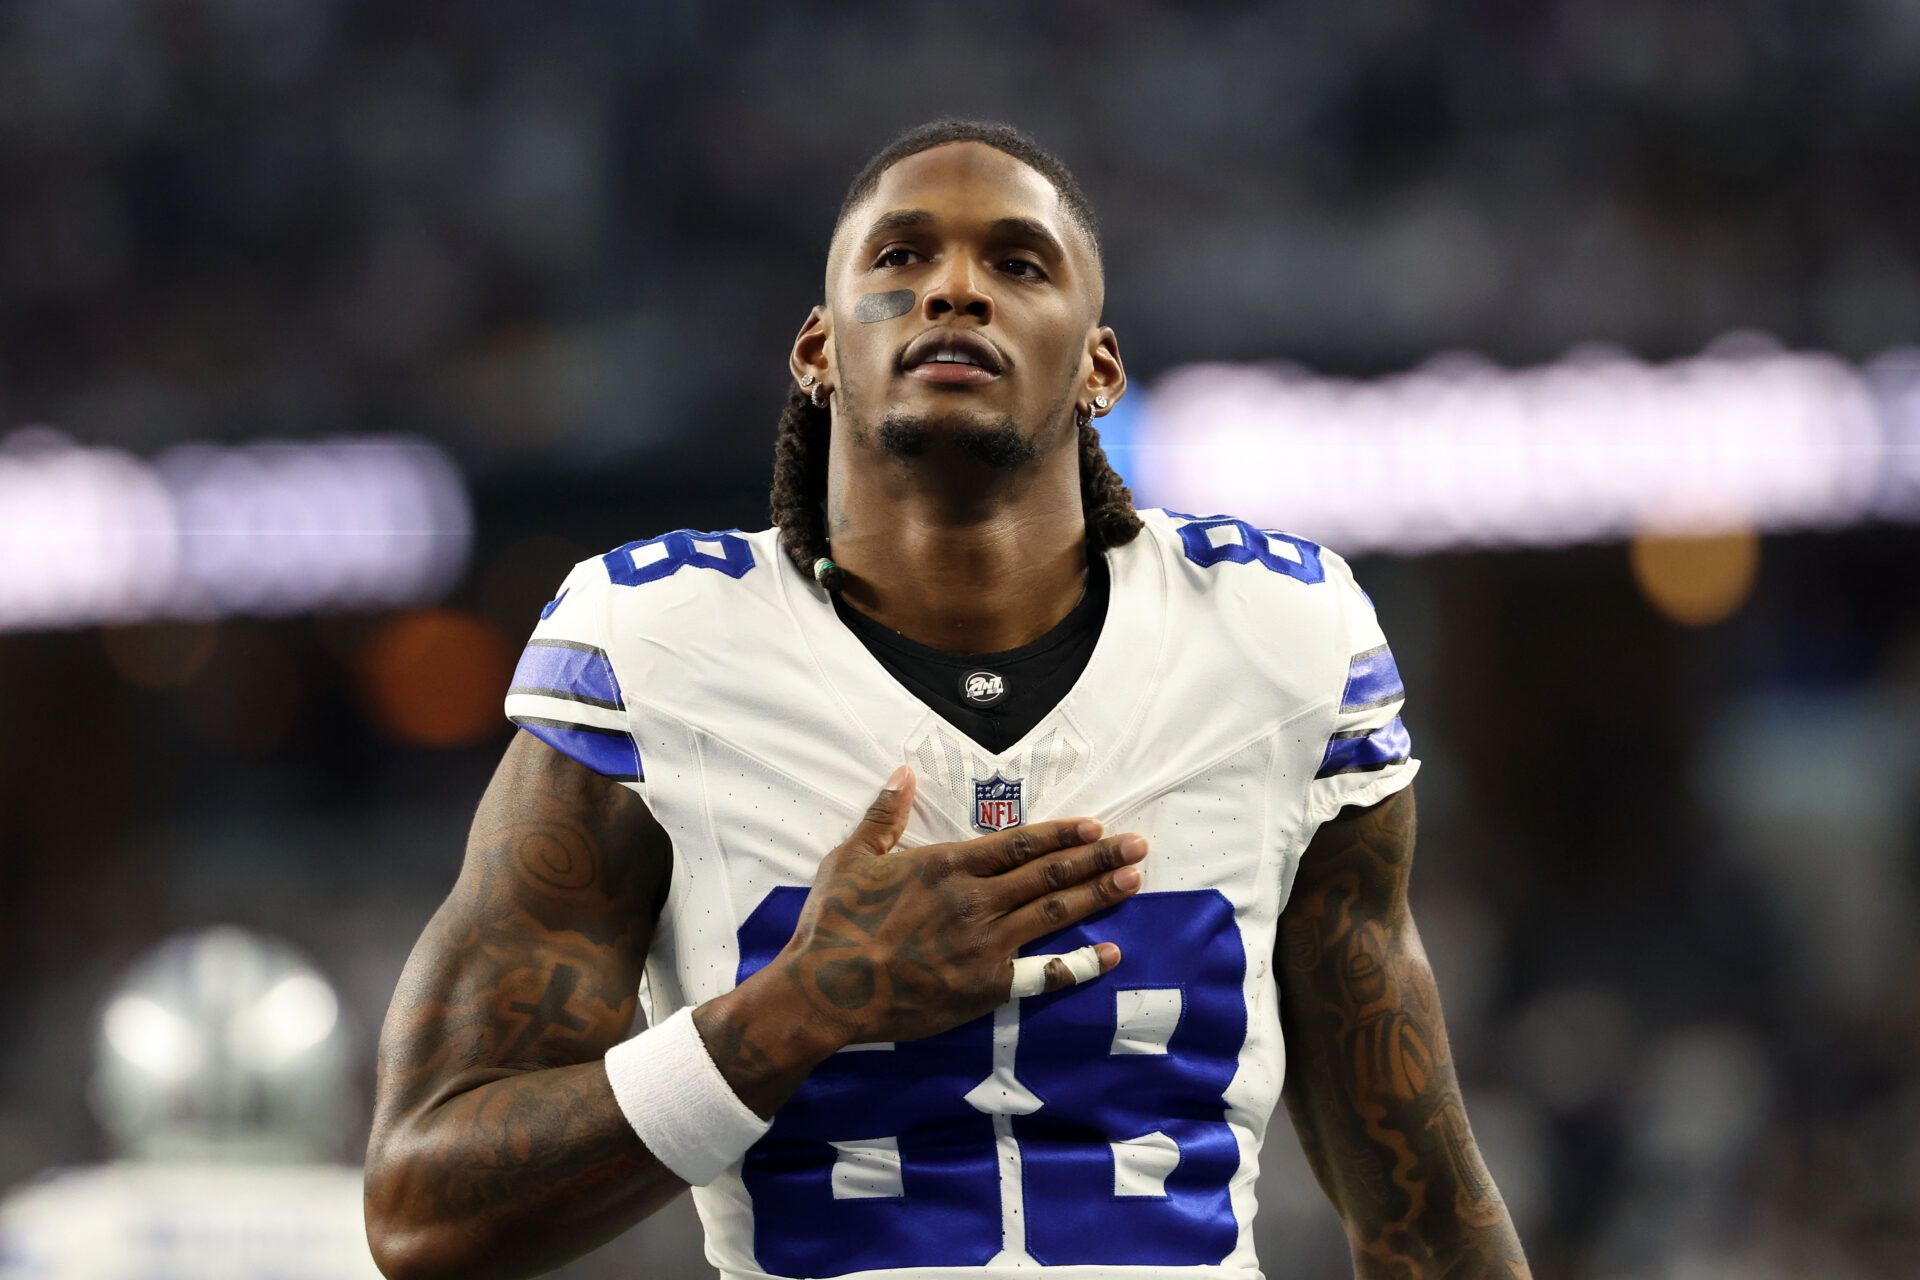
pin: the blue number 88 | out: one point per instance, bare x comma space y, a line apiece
1126, 1162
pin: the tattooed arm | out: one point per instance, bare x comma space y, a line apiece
1370, 1082
498, 1149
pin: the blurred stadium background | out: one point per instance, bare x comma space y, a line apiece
331, 333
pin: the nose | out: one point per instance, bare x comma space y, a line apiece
956, 291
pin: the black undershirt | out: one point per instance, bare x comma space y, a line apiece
1033, 678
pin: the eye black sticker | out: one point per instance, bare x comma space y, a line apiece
883, 306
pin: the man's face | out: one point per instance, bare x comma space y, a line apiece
961, 251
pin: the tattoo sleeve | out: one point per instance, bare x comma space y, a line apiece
497, 1146
1370, 1081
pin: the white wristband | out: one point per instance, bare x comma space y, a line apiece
1030, 972
678, 1102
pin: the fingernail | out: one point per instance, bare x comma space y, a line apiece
1088, 831
1127, 877
898, 778
1133, 848
1109, 954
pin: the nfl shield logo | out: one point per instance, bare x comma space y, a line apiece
996, 804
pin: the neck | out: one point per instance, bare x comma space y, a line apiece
955, 557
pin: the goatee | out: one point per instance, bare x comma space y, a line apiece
998, 445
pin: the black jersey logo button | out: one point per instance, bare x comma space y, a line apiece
983, 688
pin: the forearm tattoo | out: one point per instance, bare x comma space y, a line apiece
1371, 1084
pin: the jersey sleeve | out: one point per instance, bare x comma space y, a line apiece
565, 691
1368, 754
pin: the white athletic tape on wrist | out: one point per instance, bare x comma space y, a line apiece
1030, 972
678, 1102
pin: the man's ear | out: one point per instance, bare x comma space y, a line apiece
810, 347
1108, 375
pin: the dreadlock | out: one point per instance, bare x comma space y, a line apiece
799, 496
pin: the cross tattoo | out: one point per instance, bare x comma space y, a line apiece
551, 1011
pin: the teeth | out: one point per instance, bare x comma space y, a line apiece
950, 357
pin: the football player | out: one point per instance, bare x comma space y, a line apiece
222, 1083
1143, 837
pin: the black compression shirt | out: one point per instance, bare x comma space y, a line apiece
993, 698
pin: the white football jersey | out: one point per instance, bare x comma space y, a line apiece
1240, 693
141, 1221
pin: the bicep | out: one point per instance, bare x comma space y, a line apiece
534, 959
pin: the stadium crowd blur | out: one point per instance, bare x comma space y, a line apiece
1668, 868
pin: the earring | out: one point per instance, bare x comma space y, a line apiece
813, 398
806, 380
1100, 403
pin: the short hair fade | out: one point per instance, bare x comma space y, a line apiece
1001, 137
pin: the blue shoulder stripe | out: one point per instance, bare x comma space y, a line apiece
1373, 680
1363, 750
605, 751
570, 670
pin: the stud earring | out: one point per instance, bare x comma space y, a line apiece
1100, 403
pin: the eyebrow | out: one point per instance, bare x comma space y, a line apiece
899, 219
1011, 228
1030, 230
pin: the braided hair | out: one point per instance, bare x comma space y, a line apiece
799, 496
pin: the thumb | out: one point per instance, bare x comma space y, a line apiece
886, 818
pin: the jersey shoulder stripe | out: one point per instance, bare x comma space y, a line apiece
565, 691
570, 670
1365, 750
609, 752
1373, 680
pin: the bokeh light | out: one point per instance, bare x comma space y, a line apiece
153, 1038
295, 1014
1461, 453
437, 677
1696, 579
90, 535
